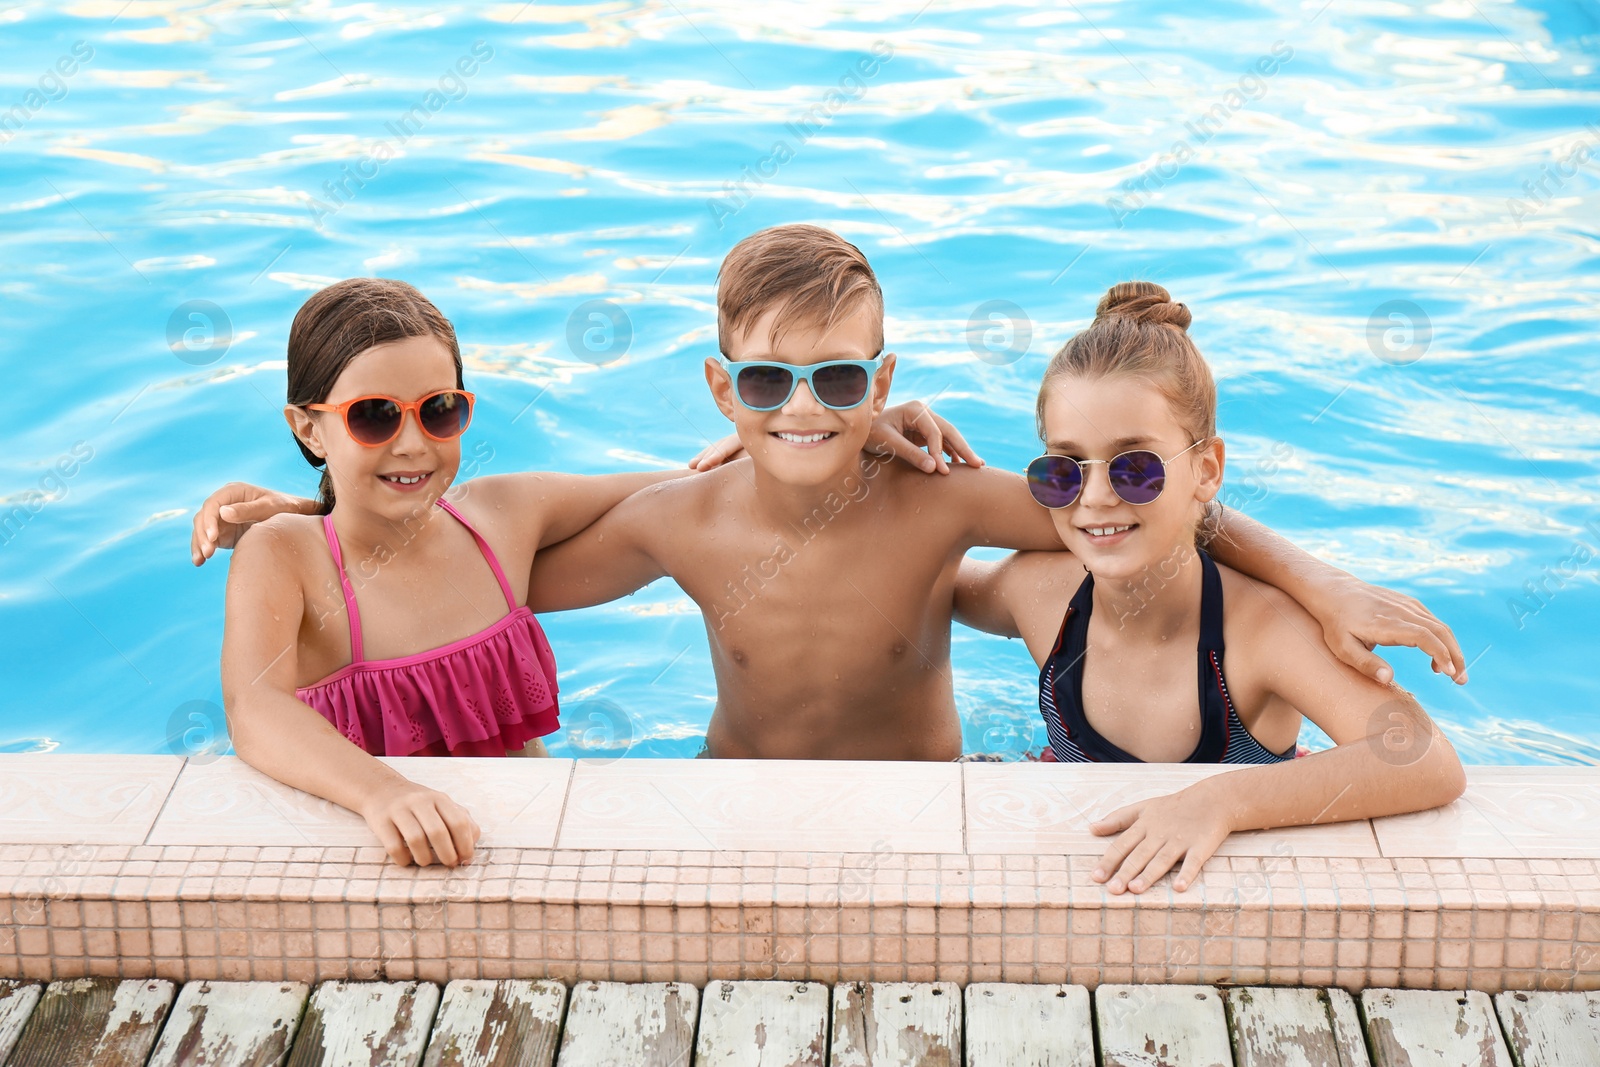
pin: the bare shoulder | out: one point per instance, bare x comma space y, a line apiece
969, 483
968, 498
660, 513
1023, 595
281, 546
1045, 573
520, 496
1258, 605
989, 506
1268, 630
683, 497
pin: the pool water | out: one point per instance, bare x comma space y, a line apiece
1383, 219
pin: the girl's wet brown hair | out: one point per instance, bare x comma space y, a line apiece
344, 320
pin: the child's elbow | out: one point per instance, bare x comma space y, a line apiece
1450, 775
236, 720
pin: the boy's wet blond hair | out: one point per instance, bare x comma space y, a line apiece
813, 274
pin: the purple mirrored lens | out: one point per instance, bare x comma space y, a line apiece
1055, 481
764, 388
1138, 477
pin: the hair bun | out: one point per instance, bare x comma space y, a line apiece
1143, 302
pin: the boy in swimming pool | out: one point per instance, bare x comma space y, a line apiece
825, 574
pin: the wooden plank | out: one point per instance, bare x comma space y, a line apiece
241, 1024
763, 1024
17, 1000
1162, 1026
610, 1023
1423, 1027
513, 1023
880, 1023
99, 1021
1029, 1025
1287, 1027
1551, 1029
373, 1024
1348, 1034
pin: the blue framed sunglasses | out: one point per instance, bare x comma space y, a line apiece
840, 384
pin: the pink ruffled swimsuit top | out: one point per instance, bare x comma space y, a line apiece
478, 696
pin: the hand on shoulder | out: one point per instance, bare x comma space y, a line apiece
279, 541
227, 513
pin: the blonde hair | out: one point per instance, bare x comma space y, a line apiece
1140, 332
812, 273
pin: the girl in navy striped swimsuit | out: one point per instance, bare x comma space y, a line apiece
1129, 625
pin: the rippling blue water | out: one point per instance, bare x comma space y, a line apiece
1290, 171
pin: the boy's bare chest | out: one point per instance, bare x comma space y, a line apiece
804, 580
799, 607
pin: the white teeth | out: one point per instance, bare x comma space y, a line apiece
401, 479
1103, 531
803, 438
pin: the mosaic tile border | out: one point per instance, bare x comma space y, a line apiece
1272, 912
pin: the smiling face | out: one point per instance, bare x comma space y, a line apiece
805, 443
1098, 418
412, 471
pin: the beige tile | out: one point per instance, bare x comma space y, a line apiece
95, 800
517, 802
1047, 808
1506, 813
781, 805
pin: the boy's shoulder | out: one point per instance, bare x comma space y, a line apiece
963, 482
693, 498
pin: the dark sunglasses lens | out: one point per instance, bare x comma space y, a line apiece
373, 421
764, 388
1055, 481
1138, 477
446, 414
842, 386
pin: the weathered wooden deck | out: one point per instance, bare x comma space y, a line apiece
107, 1022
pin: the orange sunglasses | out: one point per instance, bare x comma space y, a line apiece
376, 420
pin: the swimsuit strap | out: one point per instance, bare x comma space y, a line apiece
350, 609
1062, 681
354, 613
1216, 726
1210, 605
488, 554
1061, 678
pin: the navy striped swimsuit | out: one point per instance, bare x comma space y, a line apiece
1223, 738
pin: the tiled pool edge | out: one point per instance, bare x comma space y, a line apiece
1371, 916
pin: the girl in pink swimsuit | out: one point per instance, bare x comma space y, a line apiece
480, 696
395, 623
